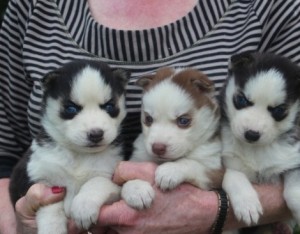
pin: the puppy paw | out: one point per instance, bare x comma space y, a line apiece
168, 176
247, 208
51, 219
84, 211
138, 194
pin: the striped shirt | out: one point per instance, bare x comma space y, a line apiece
38, 36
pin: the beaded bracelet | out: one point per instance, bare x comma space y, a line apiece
222, 211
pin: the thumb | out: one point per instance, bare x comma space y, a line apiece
117, 214
38, 195
127, 170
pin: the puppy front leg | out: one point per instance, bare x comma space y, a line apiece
170, 174
291, 192
52, 219
93, 194
138, 194
243, 197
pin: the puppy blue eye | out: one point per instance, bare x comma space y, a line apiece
240, 101
70, 110
183, 121
110, 109
278, 112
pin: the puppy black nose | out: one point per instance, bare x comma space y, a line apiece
95, 135
159, 149
252, 136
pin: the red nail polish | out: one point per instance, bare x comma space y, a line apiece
57, 189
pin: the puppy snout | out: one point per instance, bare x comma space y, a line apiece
95, 135
159, 149
252, 136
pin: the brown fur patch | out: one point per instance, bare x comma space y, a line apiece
147, 82
192, 81
216, 178
197, 85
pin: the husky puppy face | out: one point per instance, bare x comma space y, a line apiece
178, 112
84, 105
261, 97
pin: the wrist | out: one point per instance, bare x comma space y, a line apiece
223, 208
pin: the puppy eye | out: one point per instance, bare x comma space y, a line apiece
70, 110
110, 108
148, 120
183, 121
240, 101
278, 112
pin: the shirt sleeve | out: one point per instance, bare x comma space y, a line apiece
14, 87
280, 20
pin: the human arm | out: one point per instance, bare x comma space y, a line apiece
186, 209
14, 133
7, 221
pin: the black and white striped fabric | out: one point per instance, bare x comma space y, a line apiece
38, 36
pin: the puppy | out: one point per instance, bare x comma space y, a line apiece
180, 122
79, 143
260, 136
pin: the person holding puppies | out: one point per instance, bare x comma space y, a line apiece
39, 36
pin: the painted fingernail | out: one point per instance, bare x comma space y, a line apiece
57, 189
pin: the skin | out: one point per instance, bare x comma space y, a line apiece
167, 209
7, 221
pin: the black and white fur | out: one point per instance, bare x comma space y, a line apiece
79, 143
180, 122
261, 104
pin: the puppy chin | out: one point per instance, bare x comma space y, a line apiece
86, 147
168, 156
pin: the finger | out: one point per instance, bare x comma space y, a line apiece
102, 230
117, 214
127, 170
38, 195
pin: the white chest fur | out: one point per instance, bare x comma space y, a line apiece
259, 162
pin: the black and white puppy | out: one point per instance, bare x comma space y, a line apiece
180, 123
79, 143
261, 104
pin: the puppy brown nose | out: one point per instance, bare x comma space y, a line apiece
159, 149
95, 135
252, 136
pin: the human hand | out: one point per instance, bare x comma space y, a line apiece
185, 209
40, 195
8, 221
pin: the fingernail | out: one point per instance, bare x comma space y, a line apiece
57, 189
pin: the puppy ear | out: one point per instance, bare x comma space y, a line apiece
161, 74
200, 80
50, 79
241, 60
203, 84
144, 81
122, 75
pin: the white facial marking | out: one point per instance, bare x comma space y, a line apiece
266, 88
89, 91
90, 87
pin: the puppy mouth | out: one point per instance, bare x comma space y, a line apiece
95, 145
162, 159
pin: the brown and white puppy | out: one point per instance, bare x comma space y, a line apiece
180, 122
